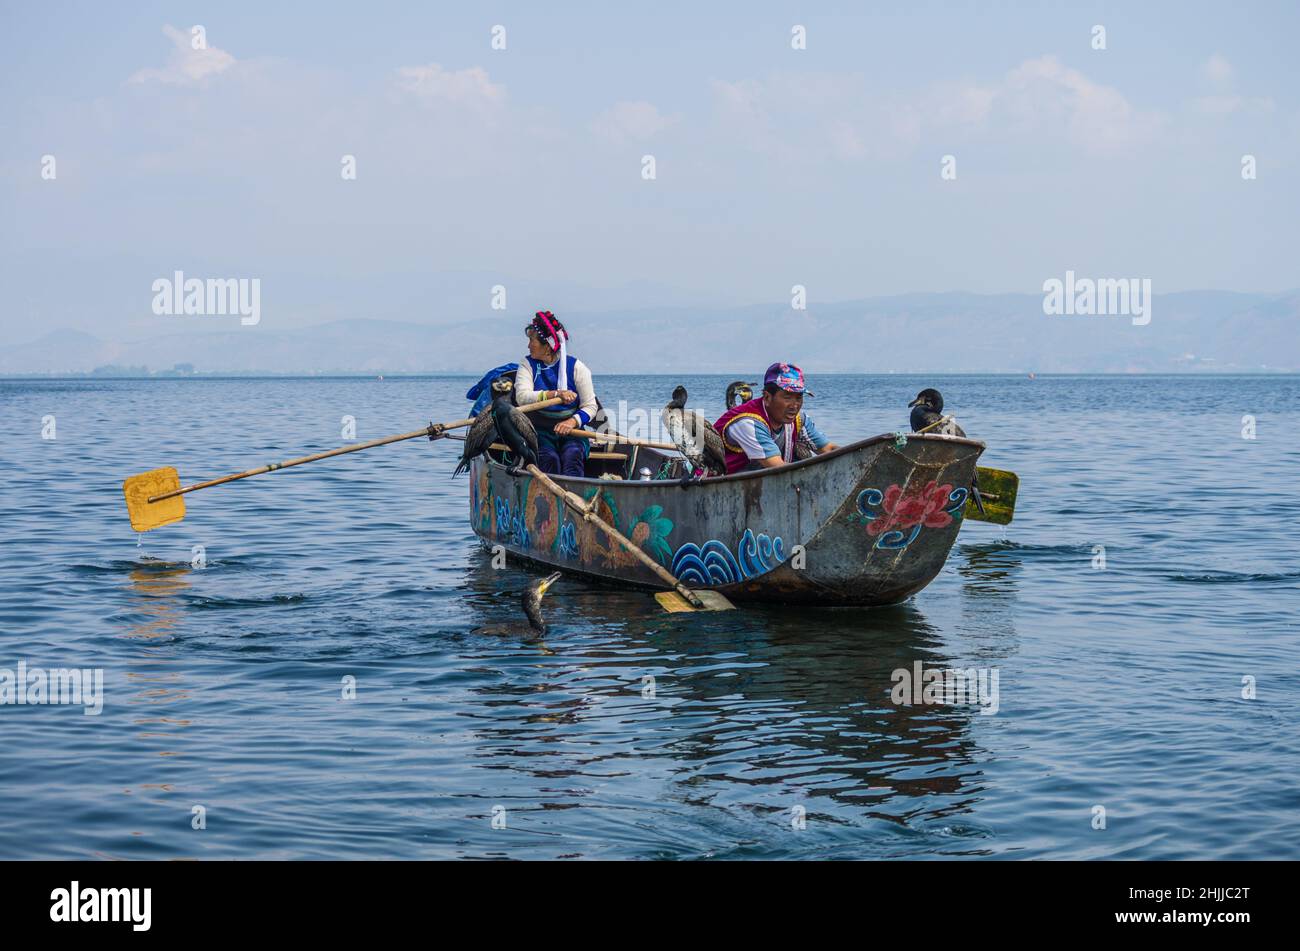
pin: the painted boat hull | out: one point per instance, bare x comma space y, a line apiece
870, 523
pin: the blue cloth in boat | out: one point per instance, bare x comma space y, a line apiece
481, 392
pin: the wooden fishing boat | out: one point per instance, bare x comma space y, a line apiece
869, 523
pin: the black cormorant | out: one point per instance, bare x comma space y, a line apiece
482, 433
693, 435
927, 409
512, 424
739, 392
533, 602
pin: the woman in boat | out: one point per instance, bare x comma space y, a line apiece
550, 371
772, 429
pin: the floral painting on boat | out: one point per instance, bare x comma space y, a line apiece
649, 531
896, 516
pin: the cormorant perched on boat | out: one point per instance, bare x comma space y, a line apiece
502, 419
532, 601
512, 424
739, 392
927, 409
693, 435
482, 433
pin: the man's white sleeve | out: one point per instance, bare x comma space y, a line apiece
744, 433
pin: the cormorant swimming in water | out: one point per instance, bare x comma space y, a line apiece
532, 601
927, 409
693, 435
739, 392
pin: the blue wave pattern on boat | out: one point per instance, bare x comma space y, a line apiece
713, 562
566, 540
511, 524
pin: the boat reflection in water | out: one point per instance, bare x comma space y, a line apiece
776, 712
992, 568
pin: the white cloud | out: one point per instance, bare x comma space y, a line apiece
841, 115
740, 99
1052, 97
186, 66
465, 87
631, 121
956, 103
1227, 104
1217, 70
846, 141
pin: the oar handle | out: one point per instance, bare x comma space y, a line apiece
301, 460
585, 511
432, 429
938, 422
618, 438
608, 456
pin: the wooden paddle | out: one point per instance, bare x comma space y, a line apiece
153, 499
998, 490
681, 598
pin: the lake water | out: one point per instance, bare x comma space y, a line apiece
770, 733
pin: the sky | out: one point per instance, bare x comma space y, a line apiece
524, 166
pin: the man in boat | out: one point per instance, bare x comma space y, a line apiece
551, 371
772, 429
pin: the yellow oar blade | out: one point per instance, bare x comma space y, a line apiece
140, 488
998, 490
712, 600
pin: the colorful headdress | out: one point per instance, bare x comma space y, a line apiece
548, 329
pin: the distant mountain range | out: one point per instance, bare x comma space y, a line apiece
953, 332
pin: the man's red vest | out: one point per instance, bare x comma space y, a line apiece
736, 458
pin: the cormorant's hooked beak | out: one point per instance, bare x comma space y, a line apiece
547, 582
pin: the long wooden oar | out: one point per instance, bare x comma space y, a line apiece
684, 598
597, 436
938, 422
153, 499
602, 456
